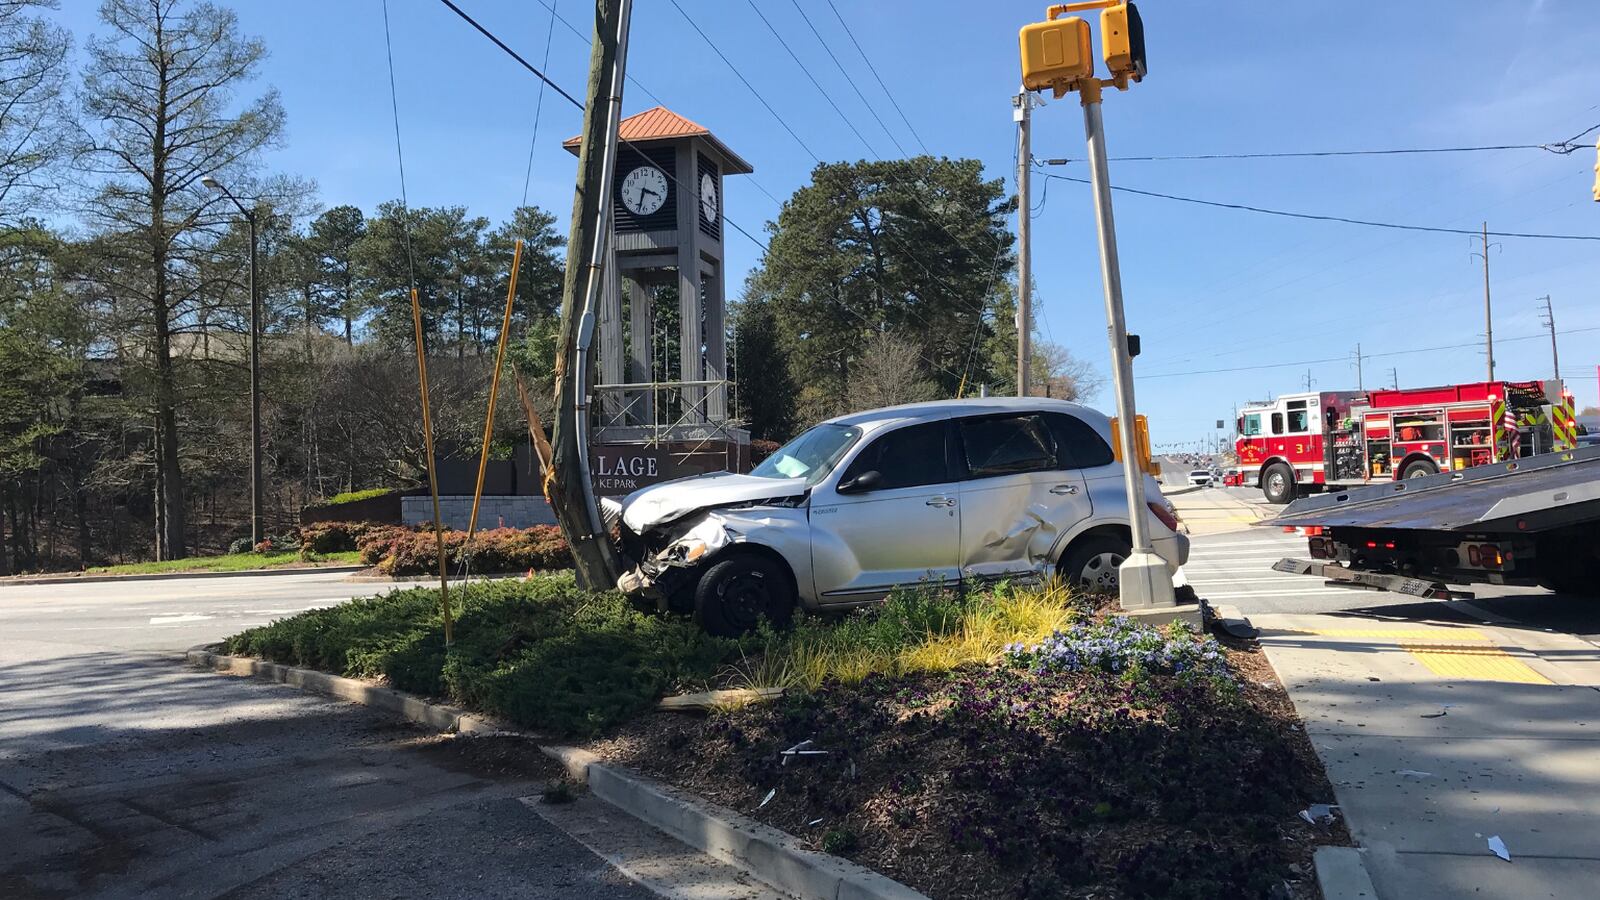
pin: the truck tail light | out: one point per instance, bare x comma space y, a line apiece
1485, 556
1321, 548
1165, 515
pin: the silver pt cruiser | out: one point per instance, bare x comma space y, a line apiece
956, 491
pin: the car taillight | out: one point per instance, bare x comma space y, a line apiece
1165, 515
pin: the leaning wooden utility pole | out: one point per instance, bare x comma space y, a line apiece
571, 492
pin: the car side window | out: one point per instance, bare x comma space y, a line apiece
1006, 445
905, 457
1077, 445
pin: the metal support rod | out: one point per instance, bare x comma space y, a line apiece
256, 532
494, 392
1155, 585
1023, 113
433, 477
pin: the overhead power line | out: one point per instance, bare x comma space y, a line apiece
675, 179
879, 78
1346, 358
1328, 218
513, 54
1560, 148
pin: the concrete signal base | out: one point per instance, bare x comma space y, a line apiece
1146, 592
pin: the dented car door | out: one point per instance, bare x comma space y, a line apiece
899, 527
1017, 497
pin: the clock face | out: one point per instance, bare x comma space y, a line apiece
644, 190
708, 198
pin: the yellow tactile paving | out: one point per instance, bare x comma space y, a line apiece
1475, 663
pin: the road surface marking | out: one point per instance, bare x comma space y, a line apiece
174, 620
1475, 663
1268, 594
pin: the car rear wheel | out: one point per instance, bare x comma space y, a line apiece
735, 594
1091, 565
1277, 482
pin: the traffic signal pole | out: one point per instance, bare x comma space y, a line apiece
1143, 579
1022, 111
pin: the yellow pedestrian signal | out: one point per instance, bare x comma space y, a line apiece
1597, 171
1056, 54
1122, 41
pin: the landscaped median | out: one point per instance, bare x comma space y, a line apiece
1009, 743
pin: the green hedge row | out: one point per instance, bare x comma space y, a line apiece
539, 652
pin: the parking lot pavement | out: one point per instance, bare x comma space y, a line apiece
127, 775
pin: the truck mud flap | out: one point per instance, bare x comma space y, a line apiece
1371, 581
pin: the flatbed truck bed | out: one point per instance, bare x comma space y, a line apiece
1526, 521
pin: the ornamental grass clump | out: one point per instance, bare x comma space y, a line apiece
1119, 646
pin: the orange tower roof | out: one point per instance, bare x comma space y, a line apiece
661, 124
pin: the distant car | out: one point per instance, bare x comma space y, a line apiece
1200, 478
1233, 478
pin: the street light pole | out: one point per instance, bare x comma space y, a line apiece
256, 534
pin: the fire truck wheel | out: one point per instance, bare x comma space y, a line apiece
1277, 482
1419, 469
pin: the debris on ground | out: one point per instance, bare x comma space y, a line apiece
1498, 847
1412, 773
1320, 813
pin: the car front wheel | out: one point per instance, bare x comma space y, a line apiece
735, 594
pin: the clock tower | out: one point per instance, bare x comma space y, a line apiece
667, 233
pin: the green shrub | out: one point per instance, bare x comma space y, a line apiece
355, 496
336, 537
495, 550
539, 652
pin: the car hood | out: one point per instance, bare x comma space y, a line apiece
659, 504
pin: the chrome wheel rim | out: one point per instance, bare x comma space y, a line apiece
1099, 572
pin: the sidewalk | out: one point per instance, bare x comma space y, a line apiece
1437, 737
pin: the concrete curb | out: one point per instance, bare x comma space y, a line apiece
94, 579
429, 579
434, 715
776, 857
1342, 874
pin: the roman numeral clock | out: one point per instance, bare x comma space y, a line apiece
667, 238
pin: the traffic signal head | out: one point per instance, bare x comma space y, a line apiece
1122, 41
1056, 54
1597, 171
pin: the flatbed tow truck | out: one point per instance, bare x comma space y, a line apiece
1527, 521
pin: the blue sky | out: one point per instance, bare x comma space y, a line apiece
1207, 288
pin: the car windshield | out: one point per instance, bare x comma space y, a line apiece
811, 456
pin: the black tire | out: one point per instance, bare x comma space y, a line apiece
1091, 565
1419, 468
735, 594
1277, 482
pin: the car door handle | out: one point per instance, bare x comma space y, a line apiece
1064, 489
942, 501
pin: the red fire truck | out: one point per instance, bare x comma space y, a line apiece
1303, 443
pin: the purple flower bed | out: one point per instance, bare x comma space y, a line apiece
1119, 646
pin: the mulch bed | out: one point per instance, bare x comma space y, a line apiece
996, 782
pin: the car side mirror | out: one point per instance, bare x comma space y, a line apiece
866, 481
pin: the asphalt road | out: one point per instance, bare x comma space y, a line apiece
124, 773
1230, 561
